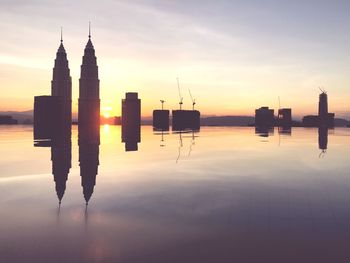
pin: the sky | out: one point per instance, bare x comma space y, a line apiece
234, 56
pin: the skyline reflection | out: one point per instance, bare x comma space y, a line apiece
89, 143
227, 186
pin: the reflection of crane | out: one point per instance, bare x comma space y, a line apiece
162, 101
181, 98
162, 144
193, 100
322, 153
192, 143
180, 146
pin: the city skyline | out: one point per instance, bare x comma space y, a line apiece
233, 63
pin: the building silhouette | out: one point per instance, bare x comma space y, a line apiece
310, 121
324, 118
131, 121
46, 117
284, 117
54, 113
323, 105
161, 120
185, 120
89, 95
89, 120
264, 117
61, 85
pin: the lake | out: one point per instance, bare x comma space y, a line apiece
224, 194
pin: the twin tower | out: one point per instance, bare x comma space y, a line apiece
53, 119
52, 113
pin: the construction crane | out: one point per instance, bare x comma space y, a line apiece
193, 100
192, 143
322, 90
162, 143
162, 101
179, 149
181, 98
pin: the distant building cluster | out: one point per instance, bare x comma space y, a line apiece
5, 119
265, 117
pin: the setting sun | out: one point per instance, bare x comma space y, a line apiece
106, 111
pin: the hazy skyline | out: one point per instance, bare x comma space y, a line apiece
235, 56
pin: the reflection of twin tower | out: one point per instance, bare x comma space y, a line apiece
89, 120
53, 115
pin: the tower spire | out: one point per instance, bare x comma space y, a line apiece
61, 36
89, 29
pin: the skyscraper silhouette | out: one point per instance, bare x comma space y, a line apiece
323, 105
325, 118
53, 114
89, 120
89, 93
61, 85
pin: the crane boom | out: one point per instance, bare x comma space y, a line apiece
322, 90
191, 95
178, 87
193, 100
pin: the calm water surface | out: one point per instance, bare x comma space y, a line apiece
220, 195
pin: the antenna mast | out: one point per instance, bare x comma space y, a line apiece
181, 98
89, 29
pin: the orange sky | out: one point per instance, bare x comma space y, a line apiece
234, 57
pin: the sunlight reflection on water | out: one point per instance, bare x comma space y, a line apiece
212, 196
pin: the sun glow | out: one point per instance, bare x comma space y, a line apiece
106, 128
106, 111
